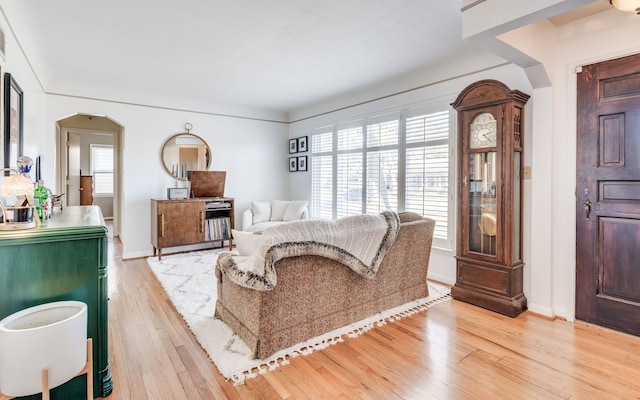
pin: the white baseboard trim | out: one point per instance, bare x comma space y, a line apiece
138, 254
176, 249
542, 310
434, 276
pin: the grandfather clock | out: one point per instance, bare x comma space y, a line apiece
489, 249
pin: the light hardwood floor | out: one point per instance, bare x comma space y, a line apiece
451, 351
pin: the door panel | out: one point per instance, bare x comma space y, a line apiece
612, 140
608, 194
619, 275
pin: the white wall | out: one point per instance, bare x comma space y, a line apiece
561, 49
607, 35
34, 101
442, 264
549, 196
252, 151
254, 154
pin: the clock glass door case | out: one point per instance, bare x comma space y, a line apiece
480, 195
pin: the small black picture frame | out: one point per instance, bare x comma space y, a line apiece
302, 144
293, 146
293, 164
302, 163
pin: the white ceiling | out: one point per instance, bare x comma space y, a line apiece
271, 55
275, 55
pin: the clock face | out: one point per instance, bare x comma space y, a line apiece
483, 131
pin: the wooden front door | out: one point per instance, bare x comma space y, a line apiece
608, 195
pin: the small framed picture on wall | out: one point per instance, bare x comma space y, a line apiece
293, 164
293, 146
302, 163
302, 144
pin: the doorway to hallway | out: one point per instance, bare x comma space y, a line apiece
89, 149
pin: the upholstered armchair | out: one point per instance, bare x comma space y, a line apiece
263, 214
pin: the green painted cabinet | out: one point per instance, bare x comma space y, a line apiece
63, 259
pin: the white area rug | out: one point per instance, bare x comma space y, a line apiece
190, 282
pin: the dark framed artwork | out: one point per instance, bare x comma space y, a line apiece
13, 120
293, 164
302, 163
302, 144
293, 146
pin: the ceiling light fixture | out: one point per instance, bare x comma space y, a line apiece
626, 5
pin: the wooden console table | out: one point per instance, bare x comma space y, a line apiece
63, 259
191, 221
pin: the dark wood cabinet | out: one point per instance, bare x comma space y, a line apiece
86, 190
190, 221
489, 248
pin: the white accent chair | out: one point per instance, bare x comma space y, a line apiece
44, 346
263, 214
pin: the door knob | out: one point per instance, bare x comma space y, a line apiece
587, 208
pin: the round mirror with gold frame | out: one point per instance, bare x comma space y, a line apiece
183, 153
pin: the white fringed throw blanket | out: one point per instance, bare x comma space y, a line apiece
359, 241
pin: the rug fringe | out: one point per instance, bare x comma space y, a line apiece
167, 270
279, 359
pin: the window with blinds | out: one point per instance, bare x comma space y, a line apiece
426, 174
349, 184
349, 168
322, 174
383, 136
102, 169
398, 161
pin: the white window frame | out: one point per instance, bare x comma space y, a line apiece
94, 170
434, 106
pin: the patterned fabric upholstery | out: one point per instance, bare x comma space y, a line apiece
315, 294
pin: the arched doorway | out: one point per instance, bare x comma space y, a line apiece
81, 140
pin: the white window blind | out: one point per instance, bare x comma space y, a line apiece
382, 163
322, 173
427, 168
398, 161
102, 169
349, 184
382, 181
349, 168
383, 131
322, 142
350, 136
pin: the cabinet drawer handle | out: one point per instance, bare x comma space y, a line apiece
162, 225
201, 222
